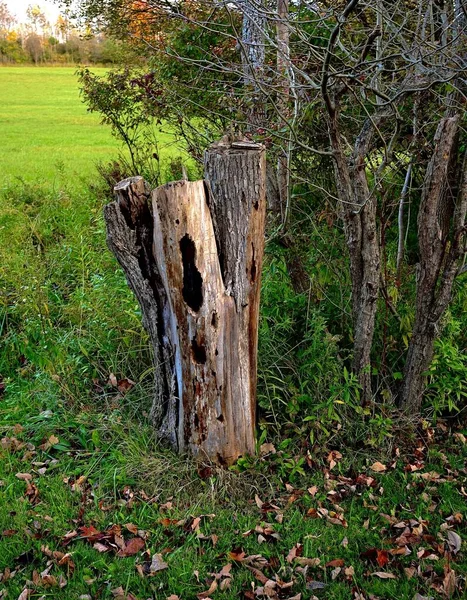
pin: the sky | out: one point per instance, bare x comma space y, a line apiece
18, 8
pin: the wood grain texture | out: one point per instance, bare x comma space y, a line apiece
193, 257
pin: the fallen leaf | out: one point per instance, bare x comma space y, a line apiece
420, 597
315, 585
211, 590
337, 562
157, 564
382, 557
378, 467
132, 547
307, 562
335, 572
294, 552
454, 541
349, 571
237, 555
90, 533
100, 547
384, 575
450, 583
267, 449
25, 594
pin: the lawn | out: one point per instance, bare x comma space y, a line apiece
92, 508
47, 133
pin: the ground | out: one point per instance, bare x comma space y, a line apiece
92, 507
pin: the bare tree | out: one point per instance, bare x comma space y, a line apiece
363, 68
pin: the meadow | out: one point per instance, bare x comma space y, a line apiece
47, 133
91, 507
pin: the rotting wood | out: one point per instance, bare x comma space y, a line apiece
193, 257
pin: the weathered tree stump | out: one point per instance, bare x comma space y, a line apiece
193, 258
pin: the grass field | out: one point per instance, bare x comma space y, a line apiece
47, 133
91, 508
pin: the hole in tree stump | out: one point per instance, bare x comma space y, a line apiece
192, 280
199, 352
253, 265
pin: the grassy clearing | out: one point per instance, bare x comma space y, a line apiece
47, 133
76, 453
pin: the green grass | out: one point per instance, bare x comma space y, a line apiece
127, 479
47, 133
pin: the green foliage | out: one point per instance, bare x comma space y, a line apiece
129, 102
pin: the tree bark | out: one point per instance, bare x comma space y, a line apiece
253, 55
358, 211
441, 228
194, 261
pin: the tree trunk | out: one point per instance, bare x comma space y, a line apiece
283, 64
253, 55
441, 228
358, 210
194, 262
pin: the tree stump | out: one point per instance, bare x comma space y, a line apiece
193, 257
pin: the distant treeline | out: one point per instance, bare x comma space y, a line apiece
41, 49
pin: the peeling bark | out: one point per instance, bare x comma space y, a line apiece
194, 259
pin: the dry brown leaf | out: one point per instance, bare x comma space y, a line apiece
207, 593
267, 449
25, 594
132, 547
157, 564
337, 562
454, 541
450, 583
378, 467
24, 476
384, 575
349, 571
307, 562
294, 552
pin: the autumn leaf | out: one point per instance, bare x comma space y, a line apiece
294, 552
90, 533
132, 547
454, 541
378, 467
237, 555
382, 557
211, 590
157, 564
384, 575
337, 562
